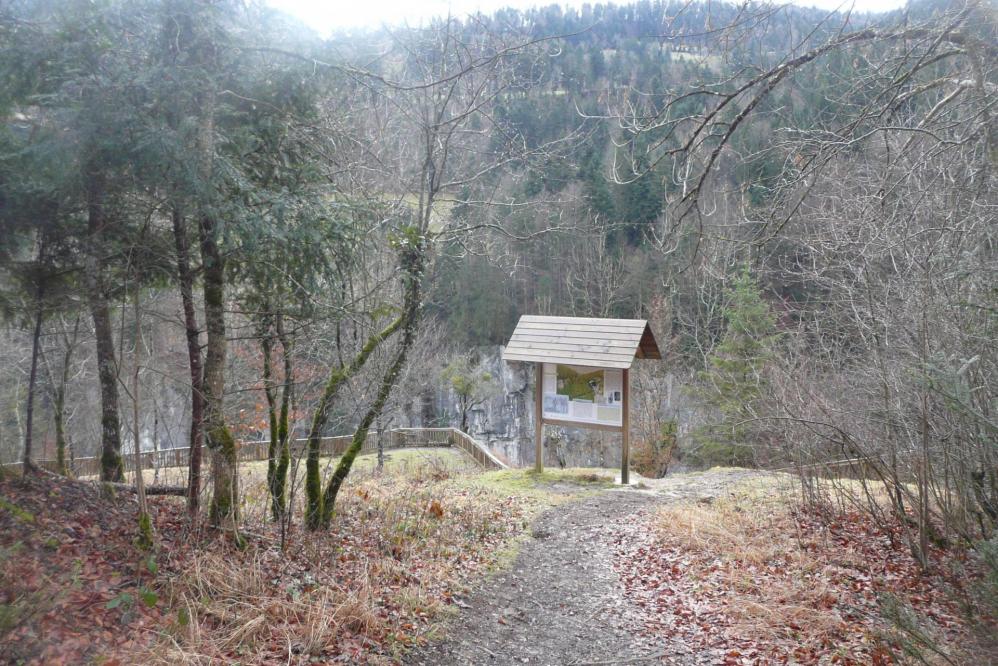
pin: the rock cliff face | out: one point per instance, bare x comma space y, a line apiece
505, 422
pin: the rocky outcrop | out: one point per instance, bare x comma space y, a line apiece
505, 421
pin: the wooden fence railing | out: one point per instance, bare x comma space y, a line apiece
397, 438
867, 467
482, 455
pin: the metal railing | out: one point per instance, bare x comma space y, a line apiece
247, 451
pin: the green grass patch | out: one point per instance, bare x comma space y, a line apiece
529, 479
397, 461
16, 511
549, 488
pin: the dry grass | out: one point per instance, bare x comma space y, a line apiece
766, 608
754, 573
744, 534
231, 607
404, 541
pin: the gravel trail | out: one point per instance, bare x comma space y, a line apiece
561, 603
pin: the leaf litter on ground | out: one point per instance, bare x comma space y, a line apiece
766, 582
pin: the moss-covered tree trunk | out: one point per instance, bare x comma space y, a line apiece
59, 398
111, 468
360, 435
224, 508
278, 449
283, 453
412, 259
313, 481
29, 411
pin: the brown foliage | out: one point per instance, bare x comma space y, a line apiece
73, 585
758, 582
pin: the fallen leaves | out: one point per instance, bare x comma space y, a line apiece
435, 509
768, 585
73, 582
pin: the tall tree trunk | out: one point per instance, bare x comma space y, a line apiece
185, 276
224, 508
269, 392
177, 44
155, 443
279, 447
412, 260
283, 429
36, 338
111, 465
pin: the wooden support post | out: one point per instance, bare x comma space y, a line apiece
625, 431
539, 418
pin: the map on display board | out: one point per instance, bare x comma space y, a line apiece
583, 394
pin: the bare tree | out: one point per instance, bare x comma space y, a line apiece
434, 136
879, 231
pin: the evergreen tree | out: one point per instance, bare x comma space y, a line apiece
641, 201
596, 188
735, 381
69, 72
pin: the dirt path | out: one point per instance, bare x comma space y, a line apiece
561, 602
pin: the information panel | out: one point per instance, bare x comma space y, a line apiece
583, 394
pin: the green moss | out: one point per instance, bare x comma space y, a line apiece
280, 482
316, 512
228, 443
111, 466
550, 488
16, 511
506, 555
221, 507
519, 479
13, 614
223, 501
340, 474
144, 540
313, 486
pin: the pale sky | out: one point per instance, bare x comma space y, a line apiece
327, 15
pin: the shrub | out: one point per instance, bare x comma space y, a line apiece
651, 457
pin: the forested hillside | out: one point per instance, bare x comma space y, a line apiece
225, 240
594, 107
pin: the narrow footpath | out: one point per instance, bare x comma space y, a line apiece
561, 603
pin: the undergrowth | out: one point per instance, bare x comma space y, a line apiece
403, 543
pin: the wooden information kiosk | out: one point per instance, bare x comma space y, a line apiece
582, 368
